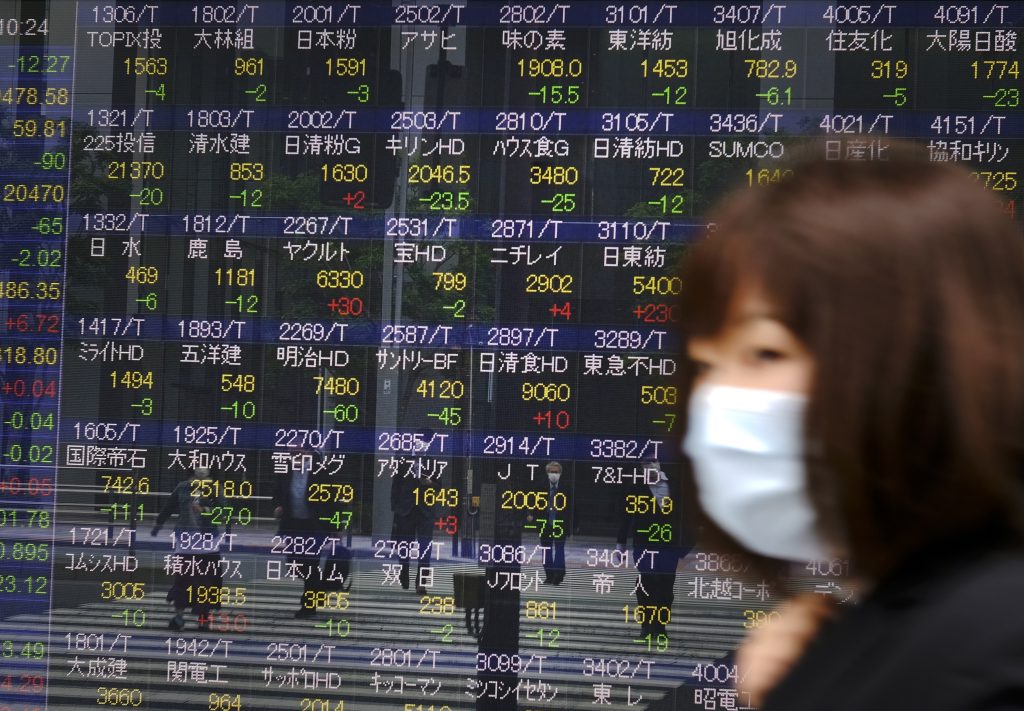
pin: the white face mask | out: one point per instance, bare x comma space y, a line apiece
747, 448
554, 476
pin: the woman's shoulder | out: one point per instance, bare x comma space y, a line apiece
990, 588
963, 609
944, 632
959, 573
971, 631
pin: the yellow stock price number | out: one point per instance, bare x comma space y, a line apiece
344, 172
118, 696
658, 394
142, 274
439, 174
346, 66
995, 69
35, 192
248, 66
331, 493
23, 290
132, 379
889, 69
215, 595
246, 171
29, 96
752, 619
135, 170
231, 276
430, 496
767, 176
441, 389
646, 504
19, 355
224, 702
547, 392
659, 286
533, 500
771, 68
647, 614
449, 281
997, 180
325, 600
437, 605
308, 704
554, 175
541, 610
146, 66
121, 590
31, 128
242, 382
667, 177
229, 489
552, 68
549, 283
125, 484
340, 279
672, 68
337, 385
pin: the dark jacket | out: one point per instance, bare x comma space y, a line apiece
188, 509
649, 527
944, 633
566, 515
319, 499
403, 496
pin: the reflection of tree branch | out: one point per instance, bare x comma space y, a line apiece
297, 194
90, 191
89, 182
421, 301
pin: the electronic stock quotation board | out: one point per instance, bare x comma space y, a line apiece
300, 303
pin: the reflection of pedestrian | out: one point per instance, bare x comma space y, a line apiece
650, 515
414, 519
555, 523
196, 541
298, 519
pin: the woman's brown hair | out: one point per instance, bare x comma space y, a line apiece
905, 280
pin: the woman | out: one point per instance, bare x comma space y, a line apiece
856, 343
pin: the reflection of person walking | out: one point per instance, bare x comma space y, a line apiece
651, 517
414, 520
297, 518
554, 528
195, 561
